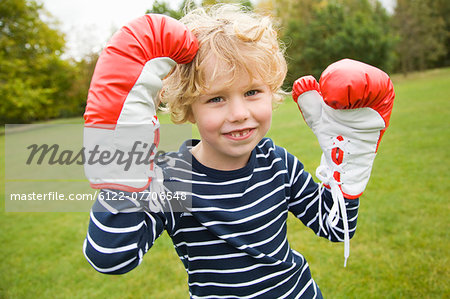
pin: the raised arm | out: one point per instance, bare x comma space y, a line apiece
121, 134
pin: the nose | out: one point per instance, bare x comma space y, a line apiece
238, 109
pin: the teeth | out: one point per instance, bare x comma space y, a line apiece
240, 133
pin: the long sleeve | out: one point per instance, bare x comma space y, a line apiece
307, 203
120, 232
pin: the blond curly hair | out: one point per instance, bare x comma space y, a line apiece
243, 40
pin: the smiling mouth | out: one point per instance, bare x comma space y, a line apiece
243, 134
240, 133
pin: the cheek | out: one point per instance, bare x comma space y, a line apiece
264, 113
208, 123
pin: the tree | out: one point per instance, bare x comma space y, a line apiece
162, 7
442, 11
80, 81
334, 30
33, 77
422, 32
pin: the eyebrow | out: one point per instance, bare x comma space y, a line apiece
253, 85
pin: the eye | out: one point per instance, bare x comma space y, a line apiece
251, 93
215, 100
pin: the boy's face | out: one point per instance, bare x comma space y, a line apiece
231, 118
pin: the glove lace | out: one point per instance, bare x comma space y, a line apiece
325, 175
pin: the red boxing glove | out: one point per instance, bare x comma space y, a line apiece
351, 106
121, 128
348, 112
349, 84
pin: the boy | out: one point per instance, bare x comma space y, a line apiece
232, 238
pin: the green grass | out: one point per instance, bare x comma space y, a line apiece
401, 248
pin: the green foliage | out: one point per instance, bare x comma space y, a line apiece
78, 91
423, 32
338, 30
34, 78
441, 9
162, 7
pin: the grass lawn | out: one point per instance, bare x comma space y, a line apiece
400, 250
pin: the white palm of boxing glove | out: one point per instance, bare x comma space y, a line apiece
348, 112
121, 131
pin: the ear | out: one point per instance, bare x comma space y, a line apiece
190, 116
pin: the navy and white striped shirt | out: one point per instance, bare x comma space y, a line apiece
232, 239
